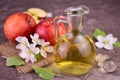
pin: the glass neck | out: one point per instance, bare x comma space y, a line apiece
76, 21
75, 16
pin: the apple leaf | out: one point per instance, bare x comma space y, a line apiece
45, 73
98, 32
14, 61
117, 44
38, 56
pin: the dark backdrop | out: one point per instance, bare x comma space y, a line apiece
104, 14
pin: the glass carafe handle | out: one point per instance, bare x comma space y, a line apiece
61, 20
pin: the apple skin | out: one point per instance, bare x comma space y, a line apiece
45, 29
19, 24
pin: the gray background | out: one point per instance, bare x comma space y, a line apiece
104, 14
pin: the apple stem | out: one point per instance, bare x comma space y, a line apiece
29, 21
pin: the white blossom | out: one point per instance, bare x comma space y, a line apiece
45, 47
28, 51
36, 40
27, 56
106, 42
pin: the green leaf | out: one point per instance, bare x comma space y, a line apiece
14, 61
98, 32
117, 44
38, 56
45, 73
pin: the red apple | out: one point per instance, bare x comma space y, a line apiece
45, 29
19, 24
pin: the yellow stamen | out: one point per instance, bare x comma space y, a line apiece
106, 42
37, 40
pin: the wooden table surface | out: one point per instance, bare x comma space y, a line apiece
104, 14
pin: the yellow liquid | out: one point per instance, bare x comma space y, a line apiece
74, 54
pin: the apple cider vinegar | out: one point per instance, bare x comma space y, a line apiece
74, 52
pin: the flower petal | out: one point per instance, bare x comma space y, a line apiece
22, 47
31, 36
27, 59
36, 40
36, 35
108, 47
46, 44
23, 54
33, 39
41, 42
100, 38
99, 44
43, 53
34, 49
113, 40
21, 39
49, 49
109, 37
32, 58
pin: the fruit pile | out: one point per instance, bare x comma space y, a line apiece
34, 20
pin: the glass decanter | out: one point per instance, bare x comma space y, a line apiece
74, 52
